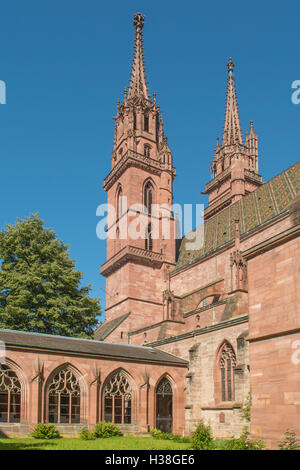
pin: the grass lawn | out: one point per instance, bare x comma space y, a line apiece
112, 443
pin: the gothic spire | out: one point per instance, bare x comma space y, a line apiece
232, 128
138, 86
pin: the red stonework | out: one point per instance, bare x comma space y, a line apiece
230, 309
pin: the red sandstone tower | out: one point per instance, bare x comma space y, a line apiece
234, 168
142, 175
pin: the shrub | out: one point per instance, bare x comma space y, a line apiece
45, 431
245, 442
104, 429
246, 410
202, 438
290, 442
86, 435
158, 434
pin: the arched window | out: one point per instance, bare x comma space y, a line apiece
148, 197
214, 170
148, 239
10, 396
119, 202
64, 398
227, 362
164, 405
117, 397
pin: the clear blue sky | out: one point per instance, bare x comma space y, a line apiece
65, 63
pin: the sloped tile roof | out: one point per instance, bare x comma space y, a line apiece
86, 347
108, 327
262, 205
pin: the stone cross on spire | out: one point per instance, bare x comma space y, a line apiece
232, 128
138, 86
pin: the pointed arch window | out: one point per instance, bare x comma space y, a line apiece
214, 170
64, 398
227, 363
117, 397
164, 405
10, 396
148, 197
119, 202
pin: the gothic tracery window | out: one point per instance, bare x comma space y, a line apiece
117, 396
227, 362
10, 396
64, 398
164, 405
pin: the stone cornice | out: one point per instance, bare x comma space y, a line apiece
217, 180
131, 158
134, 254
208, 329
270, 336
155, 325
219, 205
204, 308
271, 243
252, 176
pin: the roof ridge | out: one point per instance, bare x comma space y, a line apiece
71, 338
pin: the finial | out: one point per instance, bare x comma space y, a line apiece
138, 21
118, 104
154, 97
125, 93
230, 65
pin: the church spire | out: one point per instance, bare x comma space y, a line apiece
232, 129
234, 167
138, 86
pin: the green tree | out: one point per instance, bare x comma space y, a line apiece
39, 287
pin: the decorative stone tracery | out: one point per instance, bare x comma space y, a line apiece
10, 396
117, 399
64, 398
227, 363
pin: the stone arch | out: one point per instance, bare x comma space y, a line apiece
211, 298
118, 201
77, 388
164, 403
23, 381
224, 384
119, 398
148, 200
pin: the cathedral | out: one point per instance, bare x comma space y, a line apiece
190, 332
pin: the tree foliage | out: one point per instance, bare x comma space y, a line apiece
39, 287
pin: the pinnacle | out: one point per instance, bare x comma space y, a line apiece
138, 84
232, 128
